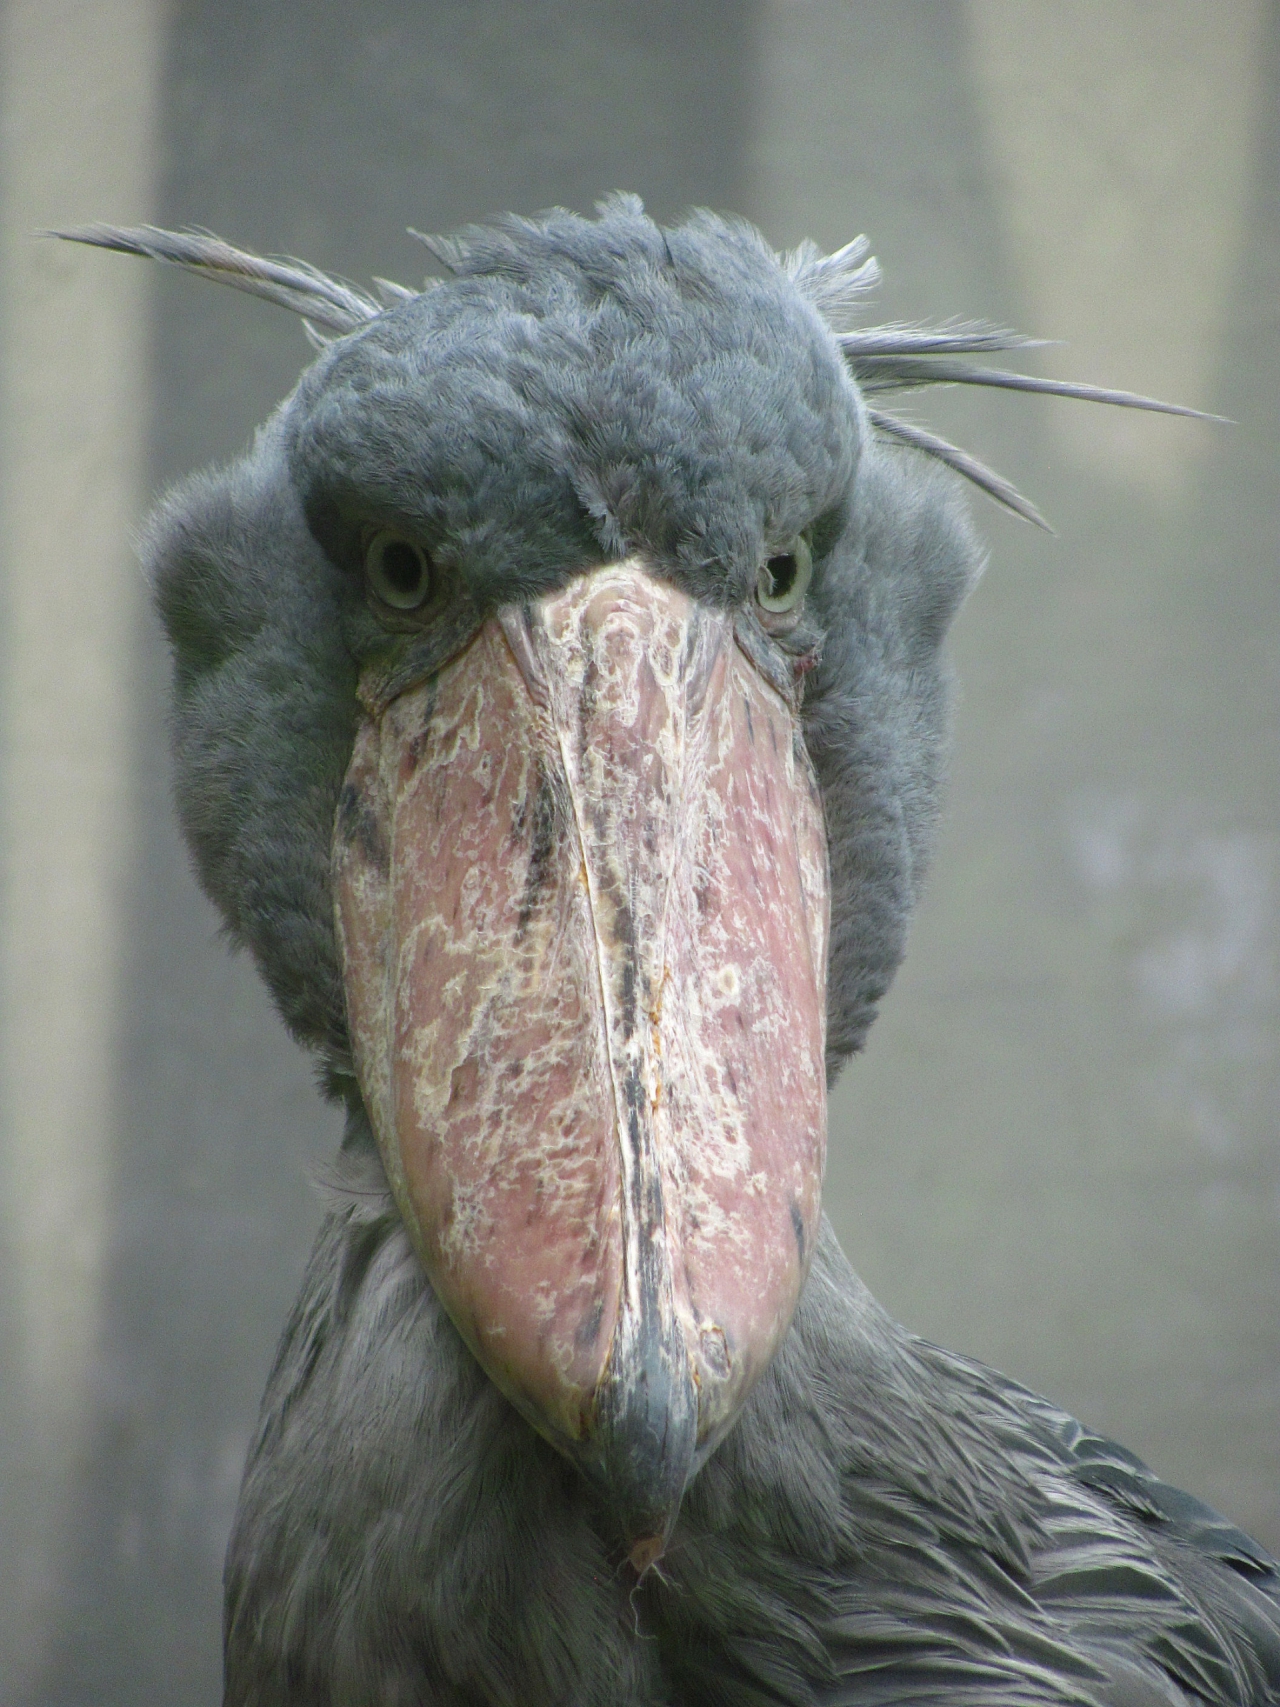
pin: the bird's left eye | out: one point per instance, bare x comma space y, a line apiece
784, 579
398, 571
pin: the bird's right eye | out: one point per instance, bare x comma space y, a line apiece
783, 581
398, 571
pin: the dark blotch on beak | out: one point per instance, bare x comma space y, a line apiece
646, 1420
646, 1433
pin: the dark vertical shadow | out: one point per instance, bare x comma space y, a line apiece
322, 131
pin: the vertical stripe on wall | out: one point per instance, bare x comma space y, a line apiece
79, 99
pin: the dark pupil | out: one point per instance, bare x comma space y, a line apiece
402, 566
782, 573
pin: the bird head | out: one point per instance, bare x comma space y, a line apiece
558, 718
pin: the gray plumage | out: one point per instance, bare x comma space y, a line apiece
886, 1522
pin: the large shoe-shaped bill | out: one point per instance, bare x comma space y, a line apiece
581, 885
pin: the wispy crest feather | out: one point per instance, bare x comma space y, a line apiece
835, 284
907, 357
325, 302
881, 358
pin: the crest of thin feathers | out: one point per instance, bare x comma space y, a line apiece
967, 337
896, 373
963, 462
880, 358
393, 293
835, 284
327, 303
451, 252
902, 358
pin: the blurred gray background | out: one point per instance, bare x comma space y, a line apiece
1060, 1151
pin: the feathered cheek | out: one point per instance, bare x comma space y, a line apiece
582, 898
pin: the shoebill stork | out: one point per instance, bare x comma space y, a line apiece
558, 718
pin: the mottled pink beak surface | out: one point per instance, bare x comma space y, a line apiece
581, 882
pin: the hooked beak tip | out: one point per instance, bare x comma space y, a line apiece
646, 1437
646, 1552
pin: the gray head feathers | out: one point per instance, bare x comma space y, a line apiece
881, 358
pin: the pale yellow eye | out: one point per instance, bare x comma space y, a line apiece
784, 579
398, 571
